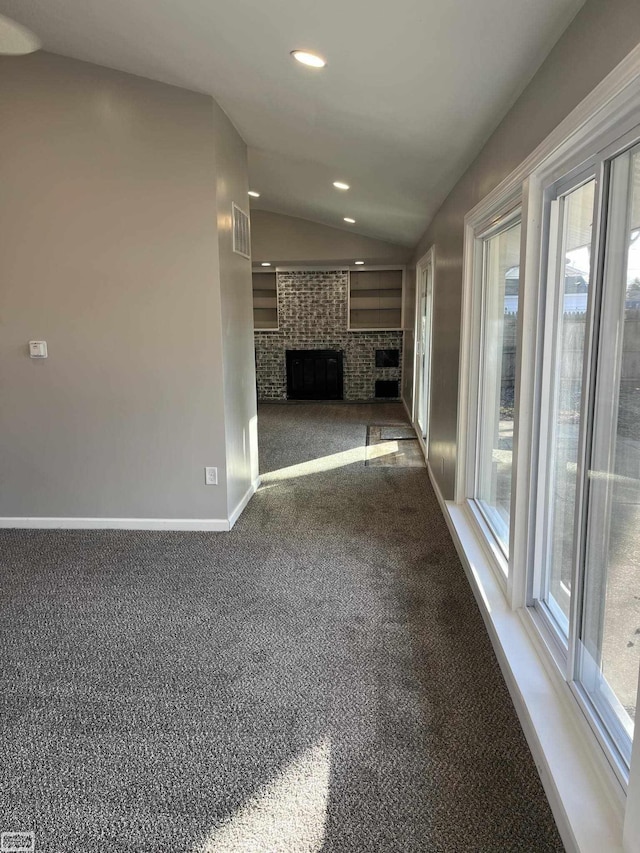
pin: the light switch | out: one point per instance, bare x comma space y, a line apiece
38, 349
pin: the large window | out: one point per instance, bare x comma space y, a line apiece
609, 640
588, 488
571, 235
500, 285
547, 497
488, 375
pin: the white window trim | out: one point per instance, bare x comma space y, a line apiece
428, 260
494, 214
539, 365
616, 127
587, 800
566, 657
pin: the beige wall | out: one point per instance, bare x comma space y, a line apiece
238, 353
601, 35
286, 239
110, 254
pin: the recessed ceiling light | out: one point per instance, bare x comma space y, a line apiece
358, 263
16, 40
340, 185
265, 264
349, 220
254, 194
308, 58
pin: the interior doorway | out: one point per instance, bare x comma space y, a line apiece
423, 334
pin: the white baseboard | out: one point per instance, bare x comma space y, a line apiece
75, 523
215, 525
406, 408
237, 512
441, 500
423, 446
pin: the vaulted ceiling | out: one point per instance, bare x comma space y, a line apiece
411, 90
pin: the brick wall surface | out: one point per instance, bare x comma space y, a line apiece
312, 311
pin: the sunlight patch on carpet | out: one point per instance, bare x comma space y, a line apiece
288, 815
407, 452
332, 461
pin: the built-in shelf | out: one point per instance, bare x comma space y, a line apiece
375, 299
265, 301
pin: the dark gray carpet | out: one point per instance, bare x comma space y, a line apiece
318, 679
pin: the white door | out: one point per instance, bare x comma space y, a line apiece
424, 312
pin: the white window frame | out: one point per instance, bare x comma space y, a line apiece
486, 220
426, 263
591, 806
612, 138
542, 350
601, 698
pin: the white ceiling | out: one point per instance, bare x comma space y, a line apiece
411, 91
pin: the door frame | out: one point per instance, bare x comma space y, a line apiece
426, 262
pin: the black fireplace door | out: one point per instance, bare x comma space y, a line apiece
314, 374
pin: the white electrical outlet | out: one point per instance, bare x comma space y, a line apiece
211, 476
38, 349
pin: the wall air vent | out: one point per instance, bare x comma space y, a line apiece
241, 238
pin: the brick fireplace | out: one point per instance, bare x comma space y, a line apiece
312, 309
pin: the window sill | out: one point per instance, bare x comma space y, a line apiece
586, 800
